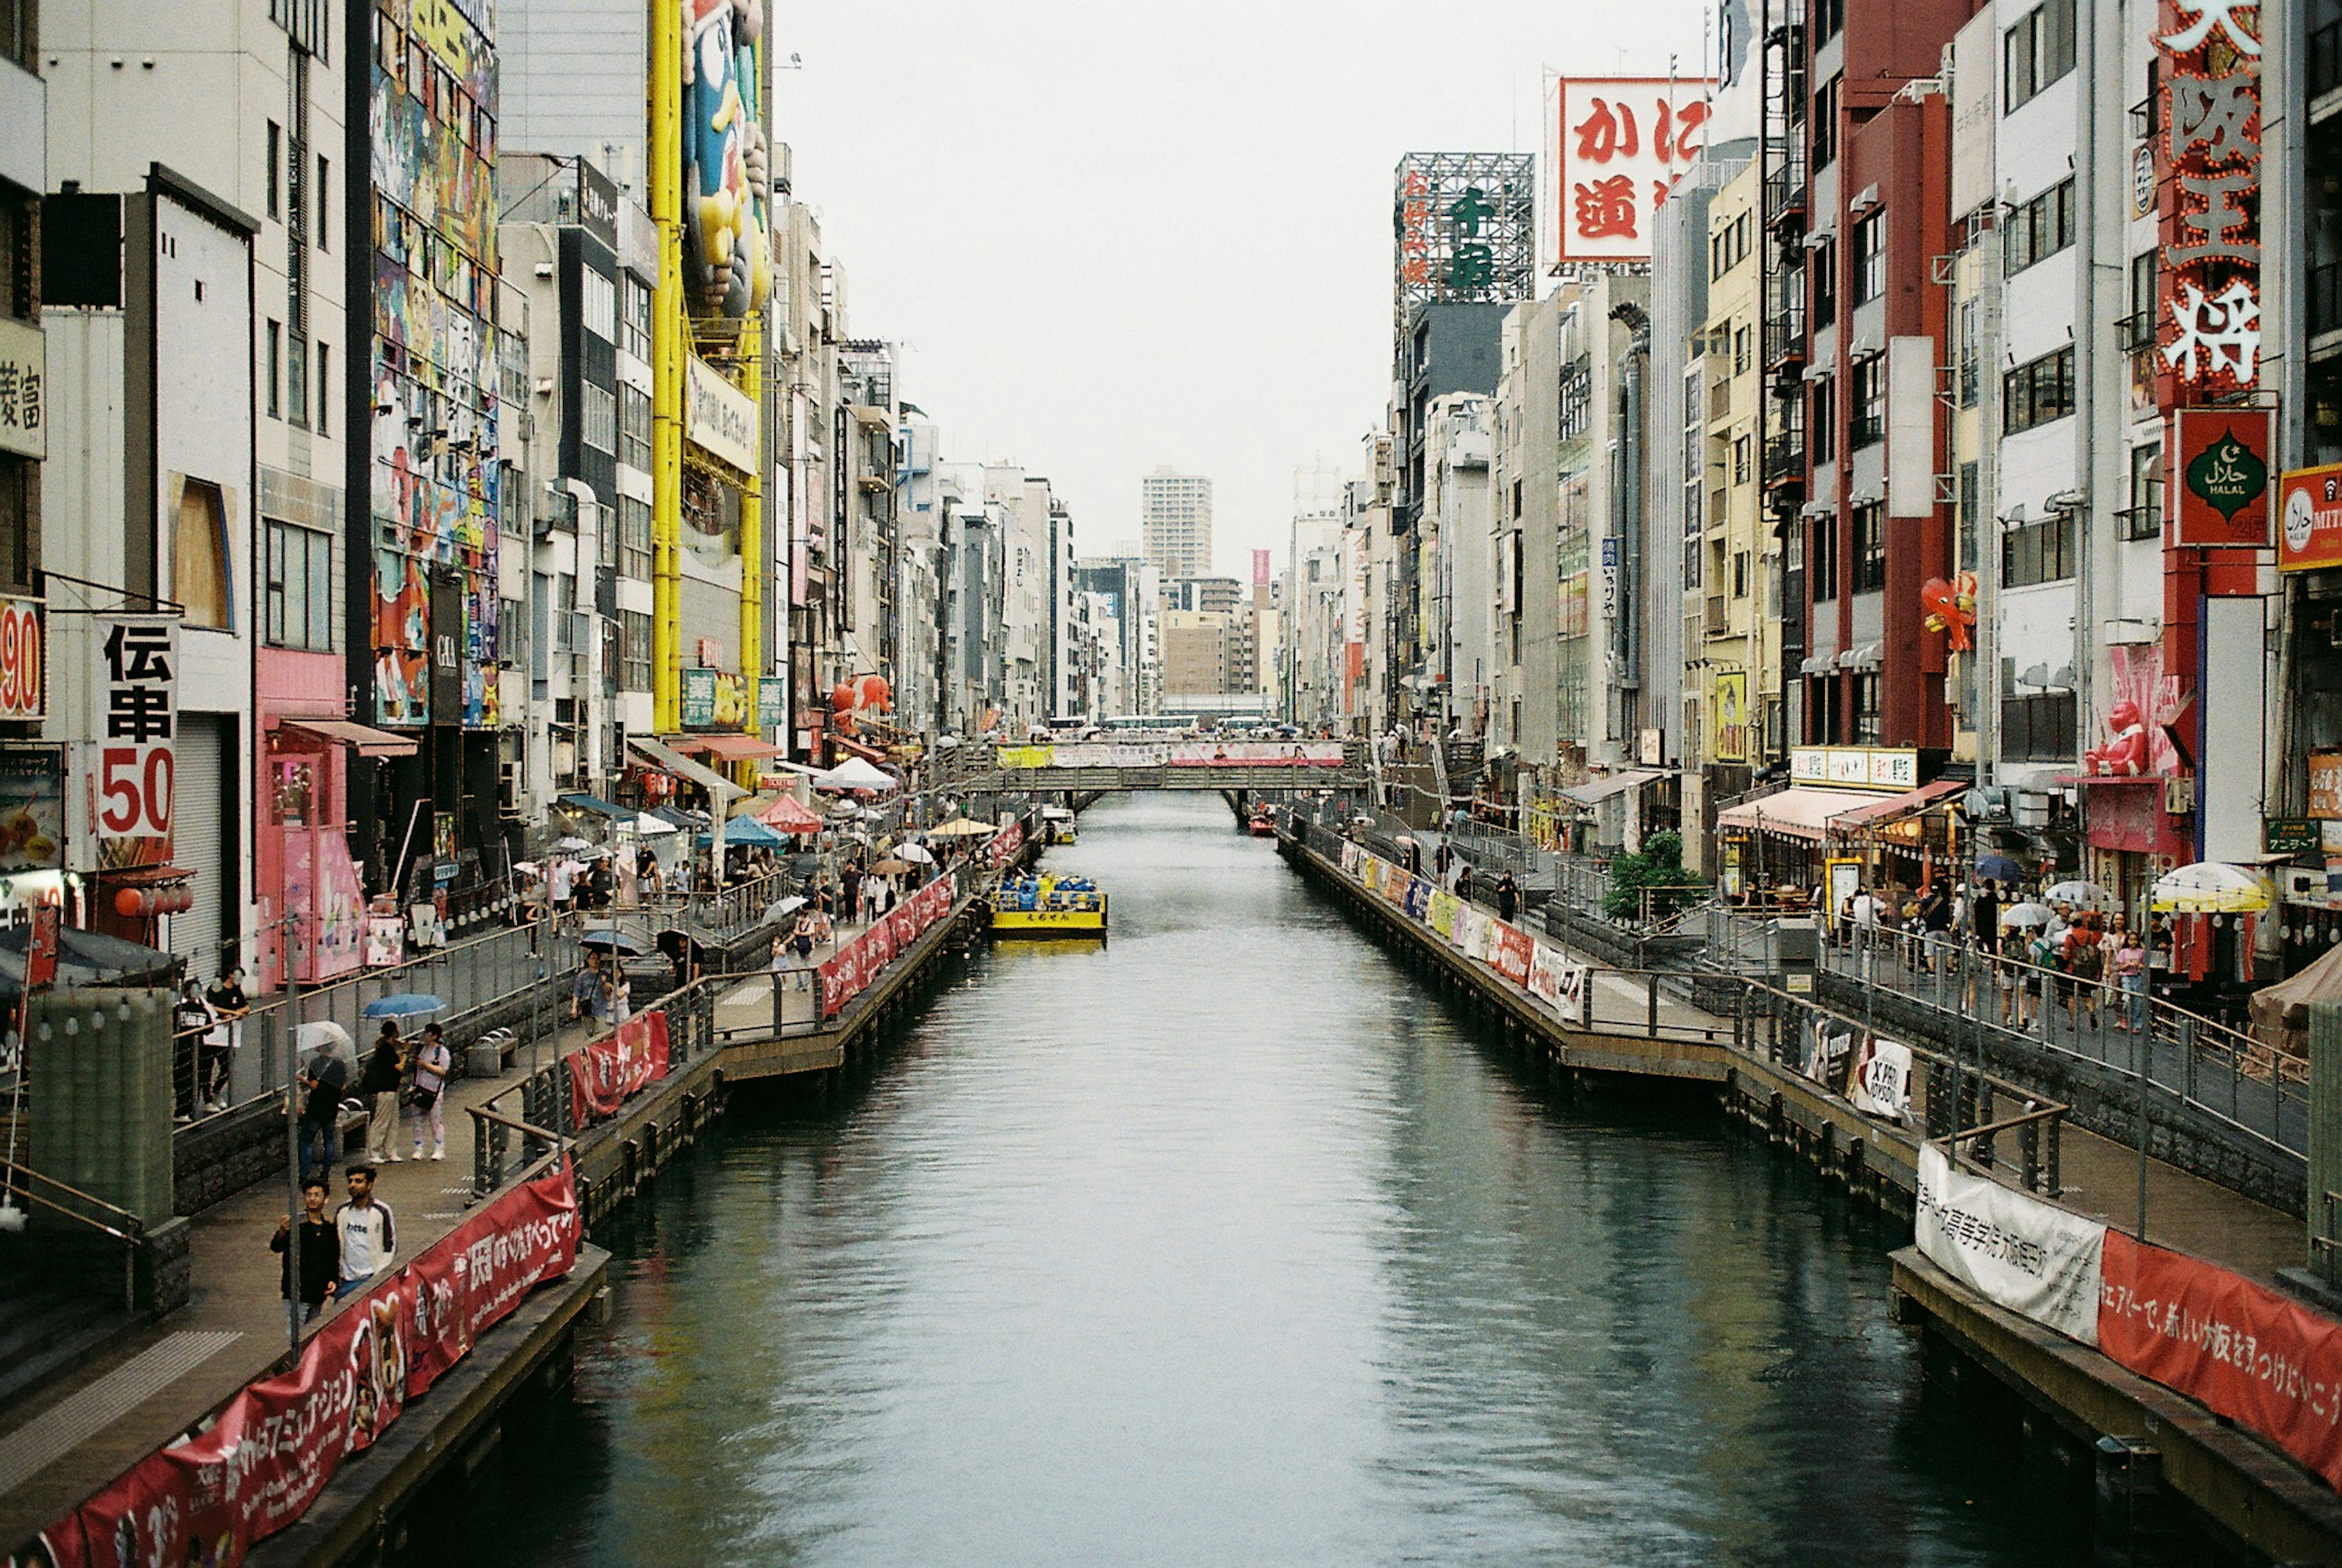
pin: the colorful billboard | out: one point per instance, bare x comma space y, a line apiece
1617, 146
1464, 226
2208, 315
2309, 519
727, 165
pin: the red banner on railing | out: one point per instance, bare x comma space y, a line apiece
2235, 1346
277, 1443
1005, 845
1510, 949
848, 972
611, 1070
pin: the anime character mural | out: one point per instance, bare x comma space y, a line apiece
727, 165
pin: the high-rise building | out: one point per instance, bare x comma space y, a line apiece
1175, 522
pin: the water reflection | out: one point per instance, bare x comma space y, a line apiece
1223, 1242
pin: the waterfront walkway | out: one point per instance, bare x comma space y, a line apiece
74, 1436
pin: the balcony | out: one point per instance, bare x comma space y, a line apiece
2141, 522
1785, 461
1785, 342
1715, 623
1784, 194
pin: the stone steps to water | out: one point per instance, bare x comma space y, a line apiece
47, 1329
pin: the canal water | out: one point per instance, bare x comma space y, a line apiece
1230, 1243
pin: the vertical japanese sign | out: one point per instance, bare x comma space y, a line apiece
1620, 146
1354, 616
2208, 315
1464, 226
130, 782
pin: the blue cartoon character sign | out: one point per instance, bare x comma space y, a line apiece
726, 172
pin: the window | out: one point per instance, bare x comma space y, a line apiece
1743, 450
2143, 519
1870, 257
2138, 326
273, 374
2036, 553
296, 377
324, 387
598, 306
1869, 402
1823, 136
1824, 273
597, 415
633, 427
1740, 351
1821, 558
1821, 420
634, 538
199, 568
2036, 392
324, 205
634, 321
2038, 51
1740, 575
275, 162
2038, 228
1869, 548
1864, 697
634, 669
1829, 16
2038, 727
296, 589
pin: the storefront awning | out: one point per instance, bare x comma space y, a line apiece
598, 806
1895, 806
735, 748
719, 788
1596, 790
855, 748
1800, 812
369, 741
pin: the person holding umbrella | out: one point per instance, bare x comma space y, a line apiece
321, 1083
427, 1100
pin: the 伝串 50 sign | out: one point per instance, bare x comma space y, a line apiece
23, 659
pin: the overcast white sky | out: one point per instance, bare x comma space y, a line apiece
1113, 234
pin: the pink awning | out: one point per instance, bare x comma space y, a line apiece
1799, 812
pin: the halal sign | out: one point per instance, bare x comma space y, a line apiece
2223, 460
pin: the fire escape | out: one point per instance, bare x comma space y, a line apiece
1782, 155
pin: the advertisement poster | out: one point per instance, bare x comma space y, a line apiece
614, 1069
32, 808
2221, 464
2034, 1258
132, 762
2309, 520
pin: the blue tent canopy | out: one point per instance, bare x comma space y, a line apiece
747, 830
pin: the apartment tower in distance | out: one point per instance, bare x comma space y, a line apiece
1175, 522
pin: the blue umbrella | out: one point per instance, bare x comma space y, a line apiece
1998, 868
404, 1004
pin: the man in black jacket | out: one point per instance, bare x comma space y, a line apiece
321, 1250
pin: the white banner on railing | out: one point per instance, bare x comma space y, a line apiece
2032, 1257
1881, 1084
1563, 984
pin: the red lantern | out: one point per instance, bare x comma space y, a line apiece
129, 903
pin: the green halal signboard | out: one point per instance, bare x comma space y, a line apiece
2224, 478
698, 699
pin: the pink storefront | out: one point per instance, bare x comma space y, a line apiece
308, 753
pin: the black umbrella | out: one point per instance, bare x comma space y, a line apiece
1998, 868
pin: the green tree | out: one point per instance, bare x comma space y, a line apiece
1653, 885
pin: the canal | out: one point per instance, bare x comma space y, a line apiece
1229, 1242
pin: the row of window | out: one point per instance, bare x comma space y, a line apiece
2037, 392
1866, 568
286, 380
1729, 247
2037, 229
2038, 51
2041, 551
285, 180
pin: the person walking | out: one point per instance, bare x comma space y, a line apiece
622, 996
366, 1234
229, 1006
588, 995
379, 1081
321, 1083
320, 1248
2085, 955
1984, 917
560, 876
427, 1100
1508, 896
191, 1026
2130, 970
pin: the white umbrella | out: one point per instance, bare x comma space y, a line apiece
2089, 894
788, 905
649, 826
917, 854
853, 773
329, 1037
2027, 915
571, 843
2208, 887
